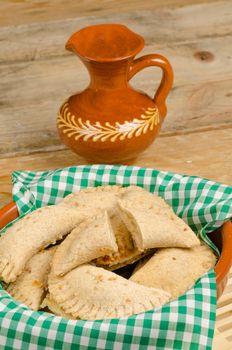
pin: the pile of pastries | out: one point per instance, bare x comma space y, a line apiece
67, 257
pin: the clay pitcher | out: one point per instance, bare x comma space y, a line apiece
110, 122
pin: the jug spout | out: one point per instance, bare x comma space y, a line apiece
70, 45
105, 43
106, 50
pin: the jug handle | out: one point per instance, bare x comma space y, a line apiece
166, 81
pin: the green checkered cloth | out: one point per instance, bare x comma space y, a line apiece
185, 323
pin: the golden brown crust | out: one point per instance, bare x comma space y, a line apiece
111, 227
52, 306
30, 286
156, 227
33, 233
92, 238
93, 198
127, 252
175, 269
91, 292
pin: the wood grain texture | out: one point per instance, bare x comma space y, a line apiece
223, 334
206, 154
29, 11
220, 342
37, 74
28, 116
161, 27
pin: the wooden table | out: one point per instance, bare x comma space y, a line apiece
37, 74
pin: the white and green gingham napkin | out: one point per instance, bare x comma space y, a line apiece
186, 323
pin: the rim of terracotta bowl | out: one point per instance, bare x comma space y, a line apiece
9, 213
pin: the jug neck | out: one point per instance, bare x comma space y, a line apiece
108, 75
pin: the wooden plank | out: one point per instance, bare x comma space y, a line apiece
19, 11
70, 71
161, 27
219, 342
224, 310
227, 333
193, 154
31, 93
224, 322
225, 299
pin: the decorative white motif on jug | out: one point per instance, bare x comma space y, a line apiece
78, 128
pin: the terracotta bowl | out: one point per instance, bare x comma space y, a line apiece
222, 239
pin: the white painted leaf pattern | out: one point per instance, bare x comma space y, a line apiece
98, 132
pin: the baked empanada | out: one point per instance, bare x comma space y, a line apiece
90, 292
138, 197
105, 198
127, 252
92, 238
30, 286
153, 225
94, 198
175, 269
31, 234
54, 308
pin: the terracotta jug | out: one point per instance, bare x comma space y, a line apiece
110, 122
